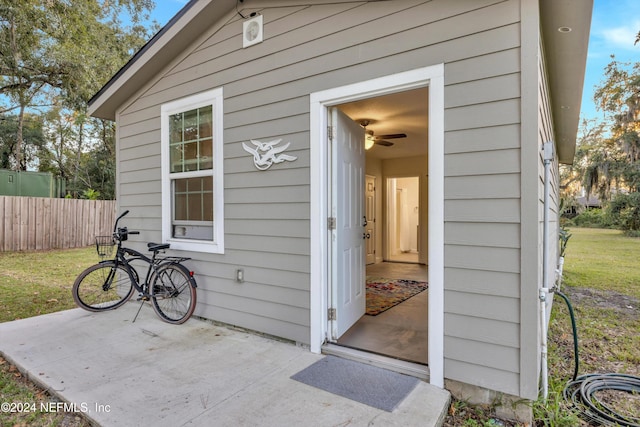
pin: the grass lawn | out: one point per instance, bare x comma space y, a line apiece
602, 280
34, 283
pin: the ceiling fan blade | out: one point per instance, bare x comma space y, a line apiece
384, 143
391, 136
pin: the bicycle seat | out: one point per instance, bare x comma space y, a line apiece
155, 247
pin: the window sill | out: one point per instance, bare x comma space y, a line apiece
195, 246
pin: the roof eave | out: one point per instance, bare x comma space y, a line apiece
566, 58
193, 19
566, 55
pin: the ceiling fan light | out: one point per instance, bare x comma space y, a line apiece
368, 143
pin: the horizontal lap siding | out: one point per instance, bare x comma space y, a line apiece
546, 134
482, 215
266, 89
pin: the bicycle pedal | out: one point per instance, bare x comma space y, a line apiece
143, 298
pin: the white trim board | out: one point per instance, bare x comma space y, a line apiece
433, 77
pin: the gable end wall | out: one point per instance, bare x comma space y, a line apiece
266, 87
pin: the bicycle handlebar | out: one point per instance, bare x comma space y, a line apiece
115, 226
122, 233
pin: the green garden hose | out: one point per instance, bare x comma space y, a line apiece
576, 356
581, 391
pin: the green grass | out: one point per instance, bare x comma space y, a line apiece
605, 260
34, 283
602, 280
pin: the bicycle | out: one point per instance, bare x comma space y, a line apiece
110, 283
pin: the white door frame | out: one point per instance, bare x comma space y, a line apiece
371, 240
433, 77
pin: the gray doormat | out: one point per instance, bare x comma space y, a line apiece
366, 384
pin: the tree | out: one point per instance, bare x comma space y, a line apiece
81, 150
616, 159
33, 141
608, 153
60, 53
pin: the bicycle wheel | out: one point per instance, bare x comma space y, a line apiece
103, 287
172, 296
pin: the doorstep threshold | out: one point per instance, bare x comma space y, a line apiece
400, 366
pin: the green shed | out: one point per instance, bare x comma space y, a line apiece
33, 184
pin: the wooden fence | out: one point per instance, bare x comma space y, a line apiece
35, 223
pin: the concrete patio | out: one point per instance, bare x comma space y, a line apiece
120, 373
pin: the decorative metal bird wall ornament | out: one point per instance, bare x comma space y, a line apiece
265, 154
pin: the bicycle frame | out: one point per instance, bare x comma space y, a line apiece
121, 259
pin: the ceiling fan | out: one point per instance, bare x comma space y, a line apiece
372, 139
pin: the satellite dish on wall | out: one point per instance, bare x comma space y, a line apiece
252, 31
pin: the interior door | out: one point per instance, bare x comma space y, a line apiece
348, 161
370, 216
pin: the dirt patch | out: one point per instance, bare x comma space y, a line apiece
623, 403
623, 304
461, 414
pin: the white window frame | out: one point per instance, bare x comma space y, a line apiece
215, 99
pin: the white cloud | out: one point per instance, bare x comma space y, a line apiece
622, 37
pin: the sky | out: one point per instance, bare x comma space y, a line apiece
614, 26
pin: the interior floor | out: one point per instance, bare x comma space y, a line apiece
410, 257
401, 331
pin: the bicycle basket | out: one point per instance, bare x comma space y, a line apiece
104, 246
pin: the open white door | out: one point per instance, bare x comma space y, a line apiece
348, 160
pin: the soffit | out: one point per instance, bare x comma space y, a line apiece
566, 57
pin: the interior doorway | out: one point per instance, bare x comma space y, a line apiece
394, 320
403, 219
323, 229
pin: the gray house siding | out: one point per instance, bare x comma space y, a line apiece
546, 134
267, 219
482, 213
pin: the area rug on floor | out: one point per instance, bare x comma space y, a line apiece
382, 294
363, 383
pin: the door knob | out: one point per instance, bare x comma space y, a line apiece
364, 218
